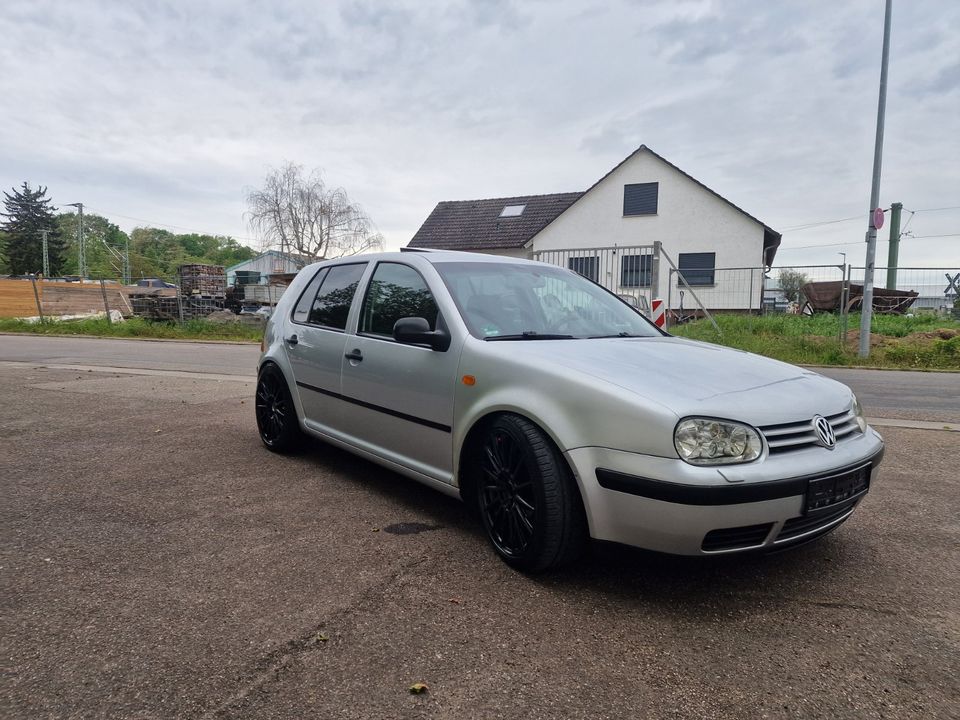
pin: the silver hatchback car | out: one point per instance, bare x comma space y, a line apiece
558, 411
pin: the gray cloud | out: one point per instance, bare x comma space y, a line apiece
169, 111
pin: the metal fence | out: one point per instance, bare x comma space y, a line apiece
631, 272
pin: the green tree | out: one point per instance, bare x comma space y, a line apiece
154, 253
27, 213
790, 283
230, 252
104, 244
4, 267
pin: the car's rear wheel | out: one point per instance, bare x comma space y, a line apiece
276, 415
528, 503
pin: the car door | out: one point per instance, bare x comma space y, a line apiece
315, 342
401, 396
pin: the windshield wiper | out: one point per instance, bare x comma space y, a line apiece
616, 335
530, 335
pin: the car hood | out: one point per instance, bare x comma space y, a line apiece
691, 377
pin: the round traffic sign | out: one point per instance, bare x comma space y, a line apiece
878, 218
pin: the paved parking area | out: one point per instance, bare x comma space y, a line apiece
157, 563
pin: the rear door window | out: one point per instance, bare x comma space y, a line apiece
302, 311
332, 304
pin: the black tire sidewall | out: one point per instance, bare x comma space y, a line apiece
290, 436
551, 489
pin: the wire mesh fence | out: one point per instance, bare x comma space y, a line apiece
630, 272
809, 289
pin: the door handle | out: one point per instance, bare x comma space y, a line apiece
354, 355
292, 340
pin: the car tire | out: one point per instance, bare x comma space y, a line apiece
529, 504
277, 420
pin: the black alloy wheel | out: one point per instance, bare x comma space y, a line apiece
507, 499
529, 504
276, 416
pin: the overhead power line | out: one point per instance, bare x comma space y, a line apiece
152, 223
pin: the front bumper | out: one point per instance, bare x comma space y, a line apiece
671, 506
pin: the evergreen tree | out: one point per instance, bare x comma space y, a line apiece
27, 213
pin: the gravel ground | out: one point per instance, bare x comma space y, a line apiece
157, 563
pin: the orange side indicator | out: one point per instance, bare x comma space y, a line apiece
468, 380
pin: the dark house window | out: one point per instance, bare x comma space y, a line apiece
635, 271
640, 199
586, 266
697, 268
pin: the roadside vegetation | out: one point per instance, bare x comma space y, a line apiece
924, 341
138, 328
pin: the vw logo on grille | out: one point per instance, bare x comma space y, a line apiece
824, 432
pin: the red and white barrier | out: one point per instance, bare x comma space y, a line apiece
659, 312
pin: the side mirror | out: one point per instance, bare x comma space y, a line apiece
416, 331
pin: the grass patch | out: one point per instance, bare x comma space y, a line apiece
924, 341
138, 328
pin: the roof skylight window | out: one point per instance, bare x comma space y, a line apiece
512, 211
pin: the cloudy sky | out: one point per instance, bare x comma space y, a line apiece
165, 113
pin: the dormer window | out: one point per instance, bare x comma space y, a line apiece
512, 211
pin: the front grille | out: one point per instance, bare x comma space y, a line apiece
736, 538
825, 520
785, 437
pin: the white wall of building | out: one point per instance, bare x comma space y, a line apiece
689, 219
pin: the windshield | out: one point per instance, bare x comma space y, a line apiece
514, 301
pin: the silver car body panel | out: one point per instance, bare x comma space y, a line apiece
608, 403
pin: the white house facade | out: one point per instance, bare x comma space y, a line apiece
627, 232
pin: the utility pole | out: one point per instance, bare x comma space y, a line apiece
81, 249
46, 254
867, 307
126, 262
894, 251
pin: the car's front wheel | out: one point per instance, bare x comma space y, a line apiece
529, 504
276, 415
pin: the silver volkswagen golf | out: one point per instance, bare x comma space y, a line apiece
558, 411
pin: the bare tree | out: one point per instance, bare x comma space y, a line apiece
299, 214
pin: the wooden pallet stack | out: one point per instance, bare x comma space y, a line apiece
204, 280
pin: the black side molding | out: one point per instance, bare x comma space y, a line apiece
720, 494
699, 495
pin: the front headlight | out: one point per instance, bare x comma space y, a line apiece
705, 441
858, 412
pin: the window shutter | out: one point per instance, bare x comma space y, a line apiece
640, 198
697, 268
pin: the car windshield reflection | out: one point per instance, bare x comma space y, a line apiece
504, 301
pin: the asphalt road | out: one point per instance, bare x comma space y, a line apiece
157, 562
913, 395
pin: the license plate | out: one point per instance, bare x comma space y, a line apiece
826, 492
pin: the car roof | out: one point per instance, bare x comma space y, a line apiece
431, 256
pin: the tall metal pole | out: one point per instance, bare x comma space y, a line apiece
82, 264
81, 250
126, 262
867, 308
46, 254
894, 251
